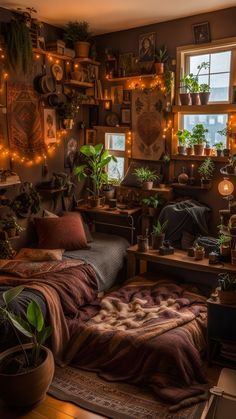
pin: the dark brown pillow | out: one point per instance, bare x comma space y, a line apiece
65, 232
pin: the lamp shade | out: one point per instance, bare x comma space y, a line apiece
225, 187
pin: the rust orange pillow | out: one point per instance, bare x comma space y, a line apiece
65, 232
39, 255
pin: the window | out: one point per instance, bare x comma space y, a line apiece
217, 75
213, 122
116, 144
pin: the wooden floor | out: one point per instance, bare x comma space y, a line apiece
50, 408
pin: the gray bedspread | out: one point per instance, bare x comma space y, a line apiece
106, 255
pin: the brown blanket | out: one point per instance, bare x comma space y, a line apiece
65, 285
146, 333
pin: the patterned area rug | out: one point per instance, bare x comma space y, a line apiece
113, 399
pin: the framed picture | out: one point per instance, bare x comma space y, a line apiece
127, 96
201, 33
146, 47
90, 136
71, 152
117, 95
125, 116
50, 126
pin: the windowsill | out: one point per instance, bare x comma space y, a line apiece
198, 158
218, 107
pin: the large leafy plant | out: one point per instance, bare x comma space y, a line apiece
183, 136
31, 326
76, 31
198, 134
95, 167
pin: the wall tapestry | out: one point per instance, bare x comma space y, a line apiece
24, 120
147, 124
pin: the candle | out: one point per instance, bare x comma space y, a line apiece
192, 170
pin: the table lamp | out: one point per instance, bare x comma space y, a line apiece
226, 189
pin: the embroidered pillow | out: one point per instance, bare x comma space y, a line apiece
39, 255
65, 232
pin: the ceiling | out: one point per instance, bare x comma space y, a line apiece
109, 15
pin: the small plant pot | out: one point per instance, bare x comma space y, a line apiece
143, 243
82, 49
152, 211
157, 240
11, 232
195, 98
226, 152
204, 97
207, 151
109, 194
181, 149
189, 151
225, 251
95, 202
159, 68
205, 183
184, 99
198, 149
147, 186
199, 254
227, 297
219, 153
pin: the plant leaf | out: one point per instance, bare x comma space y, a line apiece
35, 316
20, 324
11, 294
44, 334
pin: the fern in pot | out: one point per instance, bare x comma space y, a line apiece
227, 288
158, 234
26, 370
77, 36
206, 171
146, 177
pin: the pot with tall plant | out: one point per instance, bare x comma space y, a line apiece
227, 288
146, 177
26, 370
219, 148
158, 234
189, 83
77, 36
97, 161
183, 137
206, 171
198, 138
204, 93
161, 57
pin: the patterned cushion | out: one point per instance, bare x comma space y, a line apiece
39, 255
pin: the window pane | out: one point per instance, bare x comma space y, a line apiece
196, 60
220, 62
213, 123
115, 142
116, 170
219, 87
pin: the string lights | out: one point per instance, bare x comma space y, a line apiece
129, 143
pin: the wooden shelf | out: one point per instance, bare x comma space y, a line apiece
4, 185
52, 191
198, 158
138, 76
194, 187
211, 108
79, 84
52, 54
86, 61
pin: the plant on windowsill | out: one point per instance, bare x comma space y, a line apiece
183, 137
219, 148
77, 36
206, 171
227, 288
158, 234
108, 189
207, 149
227, 132
95, 168
204, 93
146, 177
198, 139
161, 57
189, 146
151, 203
26, 370
190, 84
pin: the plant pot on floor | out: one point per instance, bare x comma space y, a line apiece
157, 240
147, 186
159, 68
181, 149
29, 387
198, 149
184, 99
82, 49
189, 151
204, 97
195, 98
227, 297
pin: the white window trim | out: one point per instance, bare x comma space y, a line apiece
118, 153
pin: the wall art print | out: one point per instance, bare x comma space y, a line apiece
24, 120
71, 153
147, 124
50, 126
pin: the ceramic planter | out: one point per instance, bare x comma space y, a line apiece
181, 149
109, 194
226, 152
207, 151
195, 98
199, 254
184, 99
94, 201
147, 186
29, 387
219, 153
82, 49
157, 240
159, 68
198, 149
204, 97
189, 151
143, 244
227, 297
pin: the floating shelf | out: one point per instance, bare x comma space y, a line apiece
4, 185
198, 158
52, 54
79, 84
194, 187
220, 107
139, 76
86, 61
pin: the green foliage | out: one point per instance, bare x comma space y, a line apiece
144, 174
27, 202
204, 88
31, 326
219, 146
161, 55
19, 47
152, 201
190, 82
225, 131
76, 31
198, 134
207, 168
183, 136
227, 282
223, 240
11, 222
97, 161
159, 228
169, 81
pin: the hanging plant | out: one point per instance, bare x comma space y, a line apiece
27, 202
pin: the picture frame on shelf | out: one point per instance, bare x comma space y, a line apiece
146, 48
125, 116
201, 33
50, 127
90, 136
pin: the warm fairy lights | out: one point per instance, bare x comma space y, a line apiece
140, 83
129, 143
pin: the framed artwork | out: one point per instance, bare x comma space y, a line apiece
127, 96
50, 126
117, 95
146, 47
125, 62
71, 152
201, 33
90, 136
125, 116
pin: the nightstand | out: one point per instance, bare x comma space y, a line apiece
221, 333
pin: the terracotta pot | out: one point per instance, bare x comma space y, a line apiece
195, 98
82, 49
189, 151
199, 254
226, 152
11, 232
198, 149
159, 68
207, 151
227, 297
184, 99
204, 97
157, 240
230, 168
95, 202
147, 186
27, 388
181, 149
143, 244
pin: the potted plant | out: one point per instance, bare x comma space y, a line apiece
189, 146
26, 370
146, 177
76, 36
199, 252
226, 132
183, 136
219, 148
206, 171
158, 234
108, 188
94, 168
27, 202
152, 203
227, 288
161, 56
6, 250
204, 93
224, 244
184, 96
198, 138
11, 226
19, 45
190, 83
207, 149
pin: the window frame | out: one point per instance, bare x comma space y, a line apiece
118, 153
